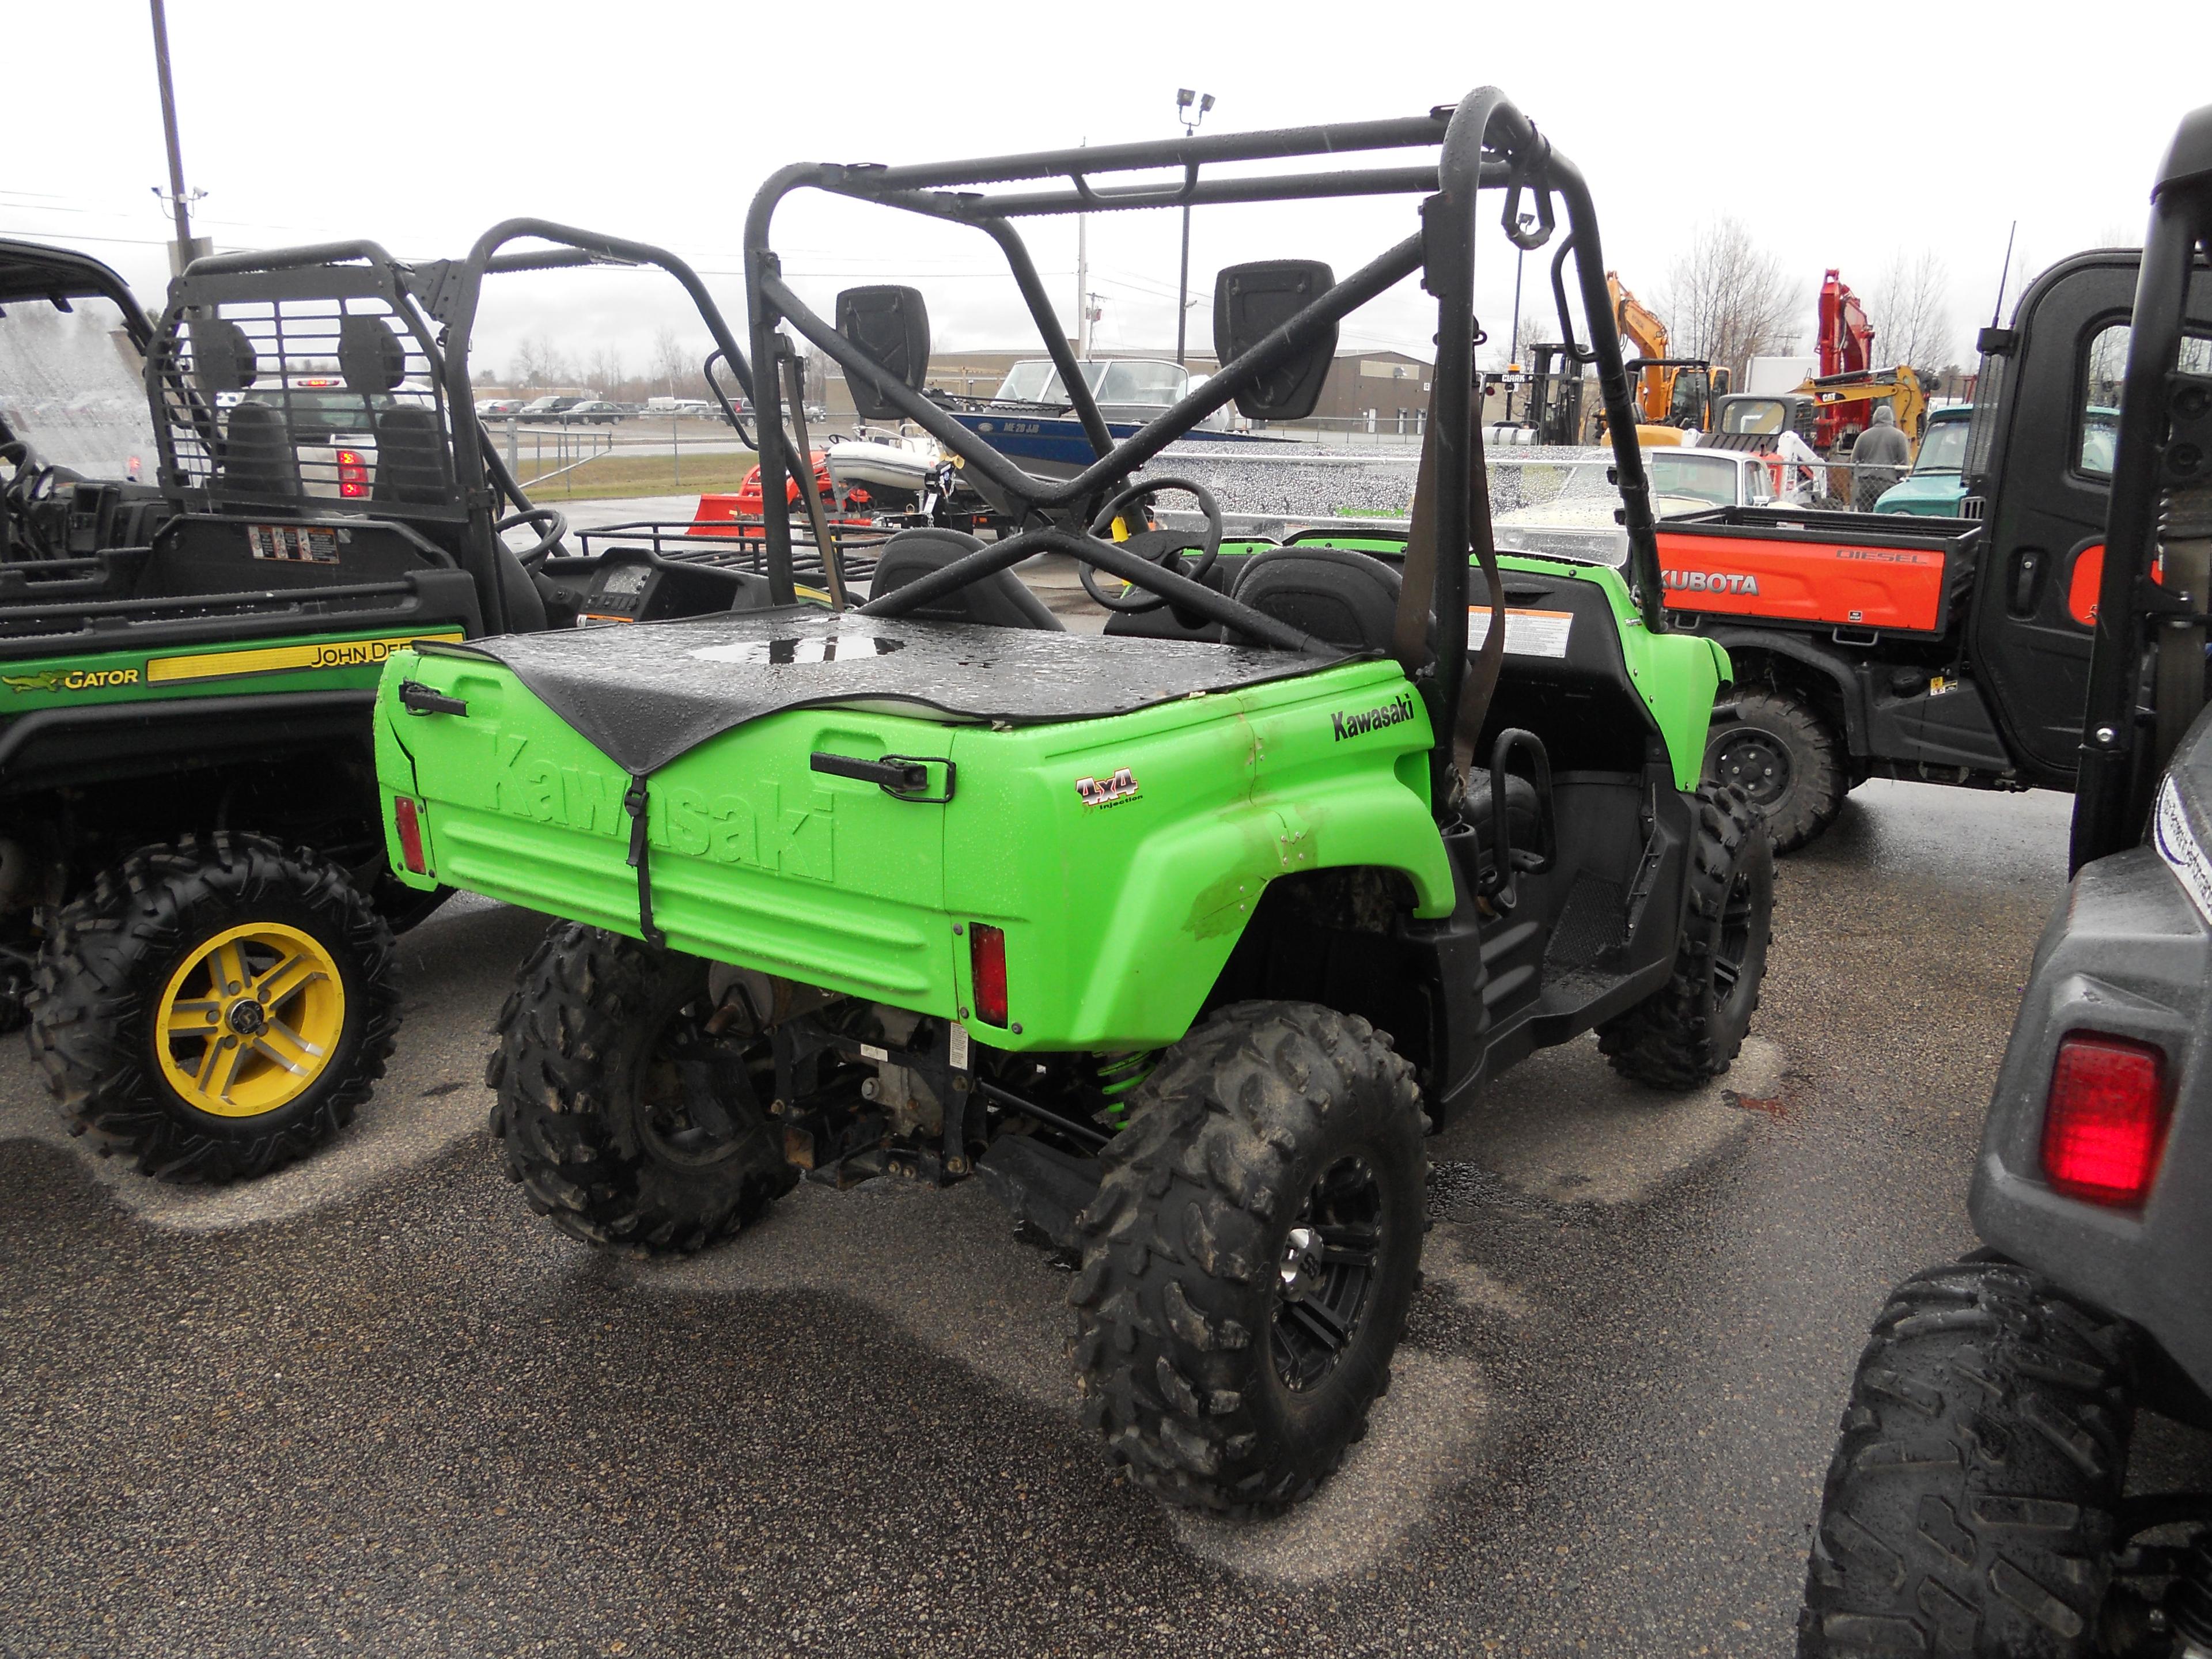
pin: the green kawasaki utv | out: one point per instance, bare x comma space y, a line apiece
215, 525
1184, 935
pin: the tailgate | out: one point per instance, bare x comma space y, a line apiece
1821, 569
754, 856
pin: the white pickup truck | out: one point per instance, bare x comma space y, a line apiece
1575, 517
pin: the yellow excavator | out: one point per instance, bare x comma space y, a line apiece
1673, 395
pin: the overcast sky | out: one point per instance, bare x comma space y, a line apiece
419, 124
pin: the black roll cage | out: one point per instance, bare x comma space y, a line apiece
2121, 755
1483, 143
446, 292
33, 271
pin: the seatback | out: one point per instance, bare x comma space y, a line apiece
258, 457
1168, 622
999, 600
1349, 599
411, 459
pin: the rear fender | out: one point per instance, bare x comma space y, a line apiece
1836, 675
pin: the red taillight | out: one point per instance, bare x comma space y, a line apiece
409, 824
987, 957
353, 474
2105, 1124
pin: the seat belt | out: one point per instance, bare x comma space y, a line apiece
1410, 640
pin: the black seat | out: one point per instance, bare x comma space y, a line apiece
411, 459
1168, 622
1349, 599
1524, 811
999, 600
257, 456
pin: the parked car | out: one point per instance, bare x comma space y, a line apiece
492, 408
1577, 520
1936, 484
548, 408
593, 412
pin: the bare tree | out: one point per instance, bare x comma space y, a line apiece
606, 372
669, 360
1911, 306
1727, 299
537, 362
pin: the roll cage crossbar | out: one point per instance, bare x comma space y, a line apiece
448, 291
1484, 142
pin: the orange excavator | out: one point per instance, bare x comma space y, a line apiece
1673, 395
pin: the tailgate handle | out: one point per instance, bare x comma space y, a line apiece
903, 777
417, 698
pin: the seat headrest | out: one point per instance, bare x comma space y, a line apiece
371, 358
1349, 599
999, 600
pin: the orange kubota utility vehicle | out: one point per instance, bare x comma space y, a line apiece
1947, 650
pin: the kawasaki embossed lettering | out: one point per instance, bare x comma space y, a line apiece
791, 836
1710, 581
1395, 712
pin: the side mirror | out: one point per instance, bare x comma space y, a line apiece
371, 359
1251, 302
223, 359
891, 327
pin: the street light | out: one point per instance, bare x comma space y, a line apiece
1185, 99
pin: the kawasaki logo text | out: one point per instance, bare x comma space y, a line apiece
1399, 709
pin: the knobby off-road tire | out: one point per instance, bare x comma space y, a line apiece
1786, 761
1969, 1510
1276, 1136
621, 1122
1689, 1030
163, 957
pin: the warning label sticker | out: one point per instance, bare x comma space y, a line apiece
293, 544
1527, 633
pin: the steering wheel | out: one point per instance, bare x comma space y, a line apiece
1164, 548
31, 485
550, 524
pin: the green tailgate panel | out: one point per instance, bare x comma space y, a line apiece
1121, 855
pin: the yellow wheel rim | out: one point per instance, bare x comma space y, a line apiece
250, 1020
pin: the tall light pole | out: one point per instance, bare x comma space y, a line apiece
1190, 117
178, 200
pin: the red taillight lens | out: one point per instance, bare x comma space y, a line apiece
987, 957
409, 824
353, 475
2105, 1124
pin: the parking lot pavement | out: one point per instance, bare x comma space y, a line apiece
374, 1405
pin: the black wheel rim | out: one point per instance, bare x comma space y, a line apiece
1755, 761
1732, 950
1325, 1280
682, 1119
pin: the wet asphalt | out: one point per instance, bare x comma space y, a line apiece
374, 1405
